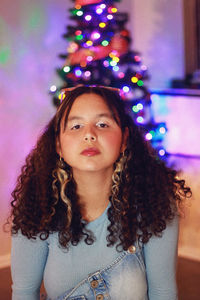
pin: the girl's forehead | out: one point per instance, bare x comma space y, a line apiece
89, 103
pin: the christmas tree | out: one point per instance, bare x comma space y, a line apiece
99, 53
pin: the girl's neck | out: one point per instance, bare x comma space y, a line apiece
93, 190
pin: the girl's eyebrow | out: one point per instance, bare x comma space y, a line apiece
79, 118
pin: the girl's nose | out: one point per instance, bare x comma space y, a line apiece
89, 135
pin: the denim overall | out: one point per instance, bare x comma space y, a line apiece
124, 279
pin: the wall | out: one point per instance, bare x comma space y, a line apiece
181, 114
29, 44
158, 35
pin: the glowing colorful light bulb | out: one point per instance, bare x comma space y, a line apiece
95, 35
125, 89
116, 68
135, 109
99, 11
102, 25
89, 58
78, 72
137, 58
61, 96
87, 74
104, 43
79, 13
88, 18
53, 88
106, 63
134, 79
162, 130
66, 69
113, 63
121, 75
103, 6
109, 17
140, 119
140, 83
140, 106
161, 152
89, 43
143, 67
78, 32
148, 136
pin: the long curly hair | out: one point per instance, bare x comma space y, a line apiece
145, 194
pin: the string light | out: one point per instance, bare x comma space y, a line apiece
140, 106
115, 58
162, 130
140, 83
79, 13
152, 132
137, 58
121, 75
113, 63
79, 37
134, 79
66, 69
87, 74
148, 136
89, 43
112, 10
143, 67
103, 6
102, 25
161, 152
109, 17
116, 68
61, 96
95, 35
72, 47
140, 119
106, 63
126, 89
99, 11
53, 88
104, 43
135, 109
78, 6
89, 58
88, 18
78, 72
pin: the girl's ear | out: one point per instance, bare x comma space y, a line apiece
58, 149
124, 139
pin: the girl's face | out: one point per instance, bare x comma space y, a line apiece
92, 140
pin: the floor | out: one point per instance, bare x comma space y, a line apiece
188, 278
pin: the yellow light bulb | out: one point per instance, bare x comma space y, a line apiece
89, 43
134, 79
102, 25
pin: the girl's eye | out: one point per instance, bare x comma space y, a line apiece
102, 125
75, 127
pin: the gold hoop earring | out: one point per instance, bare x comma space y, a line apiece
61, 163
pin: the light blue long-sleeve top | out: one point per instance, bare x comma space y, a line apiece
35, 260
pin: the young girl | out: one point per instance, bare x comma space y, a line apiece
94, 213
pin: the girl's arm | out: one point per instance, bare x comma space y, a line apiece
160, 259
28, 259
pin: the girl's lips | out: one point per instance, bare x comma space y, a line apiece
90, 152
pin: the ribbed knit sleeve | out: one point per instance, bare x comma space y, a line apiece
28, 259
